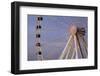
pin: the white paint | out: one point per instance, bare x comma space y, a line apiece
64, 51
76, 49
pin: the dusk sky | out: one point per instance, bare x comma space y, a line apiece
54, 34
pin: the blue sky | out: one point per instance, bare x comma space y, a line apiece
54, 34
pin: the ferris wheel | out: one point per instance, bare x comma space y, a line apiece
38, 38
76, 46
